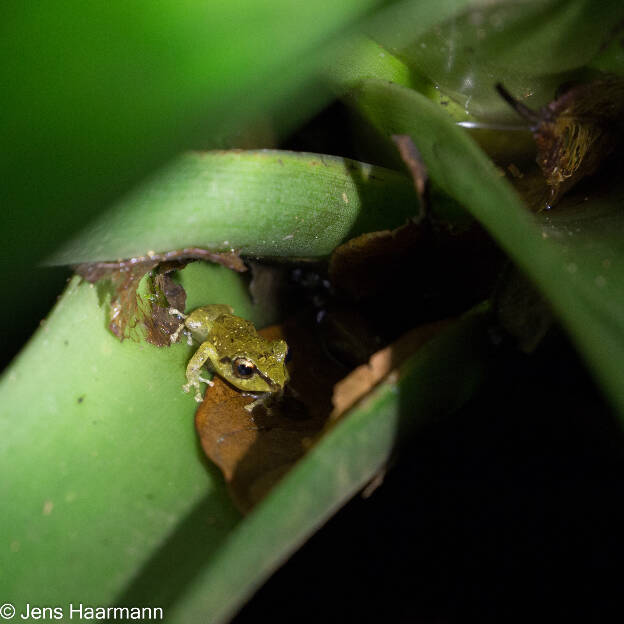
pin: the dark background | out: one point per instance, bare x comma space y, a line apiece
507, 511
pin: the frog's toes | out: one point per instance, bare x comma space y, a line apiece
198, 397
175, 312
207, 381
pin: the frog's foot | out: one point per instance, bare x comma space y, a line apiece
187, 388
175, 312
176, 333
195, 384
174, 337
262, 399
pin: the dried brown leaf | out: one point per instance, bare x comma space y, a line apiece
364, 378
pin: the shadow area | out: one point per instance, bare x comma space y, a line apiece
165, 576
508, 511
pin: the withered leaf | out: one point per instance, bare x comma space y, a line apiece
415, 165
416, 273
128, 311
255, 450
166, 294
576, 132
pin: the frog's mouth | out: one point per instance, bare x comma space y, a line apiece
268, 381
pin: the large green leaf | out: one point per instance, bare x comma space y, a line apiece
264, 203
576, 258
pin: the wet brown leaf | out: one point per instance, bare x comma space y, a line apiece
128, 311
576, 132
255, 450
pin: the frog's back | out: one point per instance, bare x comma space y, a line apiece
233, 336
201, 320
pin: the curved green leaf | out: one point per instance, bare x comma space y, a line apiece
260, 203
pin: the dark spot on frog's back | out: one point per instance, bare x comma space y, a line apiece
80, 399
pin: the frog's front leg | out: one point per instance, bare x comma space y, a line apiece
205, 352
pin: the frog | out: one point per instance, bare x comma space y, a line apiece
232, 349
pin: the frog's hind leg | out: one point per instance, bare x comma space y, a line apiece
193, 370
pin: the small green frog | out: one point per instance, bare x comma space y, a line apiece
235, 351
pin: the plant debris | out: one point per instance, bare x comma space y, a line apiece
575, 133
416, 167
129, 310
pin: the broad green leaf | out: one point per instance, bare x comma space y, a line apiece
577, 267
263, 203
362, 58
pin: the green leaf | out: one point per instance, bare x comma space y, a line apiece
264, 203
579, 269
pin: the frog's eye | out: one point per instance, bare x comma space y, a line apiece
243, 368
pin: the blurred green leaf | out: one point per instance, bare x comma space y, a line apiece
95, 95
580, 271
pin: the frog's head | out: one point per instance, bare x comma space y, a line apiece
260, 369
